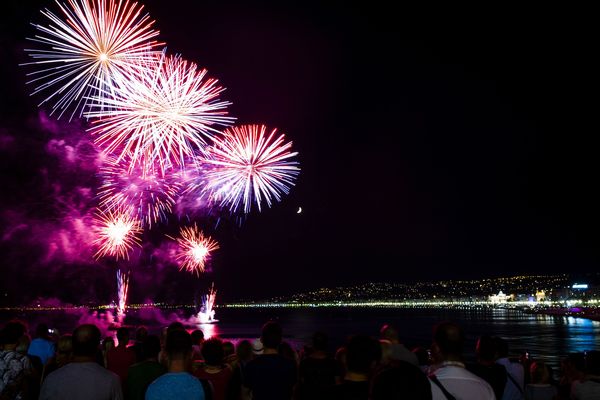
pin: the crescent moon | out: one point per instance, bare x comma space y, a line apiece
299, 210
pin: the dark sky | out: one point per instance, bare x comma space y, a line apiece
434, 143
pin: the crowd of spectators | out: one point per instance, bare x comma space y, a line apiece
182, 365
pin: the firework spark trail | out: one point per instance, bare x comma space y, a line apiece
194, 249
246, 165
96, 45
161, 116
122, 289
117, 233
207, 313
144, 190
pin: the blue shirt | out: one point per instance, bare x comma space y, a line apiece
42, 348
175, 386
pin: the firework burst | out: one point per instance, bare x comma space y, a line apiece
117, 233
95, 44
194, 249
146, 191
246, 165
161, 116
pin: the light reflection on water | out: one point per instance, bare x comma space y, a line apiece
546, 337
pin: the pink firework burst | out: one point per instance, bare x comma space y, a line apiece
194, 249
161, 116
88, 49
146, 191
117, 233
246, 165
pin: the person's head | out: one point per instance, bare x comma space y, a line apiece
244, 351
422, 355
271, 335
403, 381
212, 352
448, 341
23, 344
141, 333
386, 351
178, 345
228, 348
287, 351
486, 349
592, 363
64, 349
108, 343
175, 326
86, 339
362, 354
573, 366
539, 373
390, 333
11, 333
123, 336
197, 337
41, 331
501, 347
320, 341
151, 347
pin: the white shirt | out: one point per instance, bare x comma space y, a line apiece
461, 383
585, 390
516, 371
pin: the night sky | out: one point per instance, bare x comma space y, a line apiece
434, 143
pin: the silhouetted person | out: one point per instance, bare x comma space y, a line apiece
83, 378
401, 381
270, 376
141, 333
177, 383
540, 387
397, 351
64, 354
318, 370
214, 369
589, 387
486, 367
120, 358
572, 369
15, 368
142, 374
197, 340
41, 346
244, 355
515, 373
362, 355
448, 375
422, 358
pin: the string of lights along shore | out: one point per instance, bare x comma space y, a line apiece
160, 124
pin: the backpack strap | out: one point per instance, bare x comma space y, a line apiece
514, 381
435, 380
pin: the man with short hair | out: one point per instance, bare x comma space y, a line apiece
449, 378
82, 378
120, 358
270, 376
41, 346
398, 352
142, 374
177, 383
486, 367
362, 355
589, 387
515, 373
